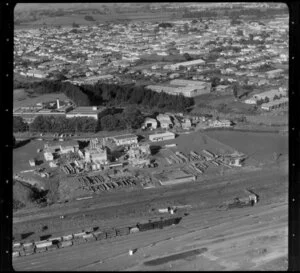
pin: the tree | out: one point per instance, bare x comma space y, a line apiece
185, 28
276, 97
215, 81
109, 122
259, 102
19, 125
266, 100
235, 90
74, 25
89, 18
187, 57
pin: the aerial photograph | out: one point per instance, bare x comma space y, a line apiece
150, 136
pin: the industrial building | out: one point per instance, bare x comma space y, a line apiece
48, 156
125, 139
150, 123
187, 88
220, 123
185, 64
138, 155
269, 94
174, 177
36, 74
164, 121
67, 149
275, 104
95, 153
223, 88
51, 108
187, 124
182, 82
85, 111
250, 101
162, 136
92, 79
187, 91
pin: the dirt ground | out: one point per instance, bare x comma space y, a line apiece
259, 146
252, 238
238, 239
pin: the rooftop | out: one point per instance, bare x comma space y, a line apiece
275, 102
88, 110
125, 136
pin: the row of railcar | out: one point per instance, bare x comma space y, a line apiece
99, 183
29, 248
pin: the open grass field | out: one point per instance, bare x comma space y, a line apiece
23, 98
22, 155
259, 146
271, 118
198, 141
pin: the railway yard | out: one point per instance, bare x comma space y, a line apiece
202, 181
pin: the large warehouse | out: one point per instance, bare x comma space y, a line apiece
174, 177
127, 139
187, 88
187, 91
185, 64
85, 111
162, 136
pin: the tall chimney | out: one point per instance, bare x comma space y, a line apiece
57, 103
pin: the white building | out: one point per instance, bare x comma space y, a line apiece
250, 101
85, 111
125, 139
223, 88
165, 121
66, 149
48, 156
220, 123
150, 122
185, 64
32, 162
187, 91
96, 155
162, 136
36, 74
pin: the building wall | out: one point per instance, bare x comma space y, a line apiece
95, 116
179, 180
161, 137
127, 141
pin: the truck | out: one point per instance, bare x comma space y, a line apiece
239, 202
247, 201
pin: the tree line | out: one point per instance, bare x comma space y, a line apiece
114, 95
108, 120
